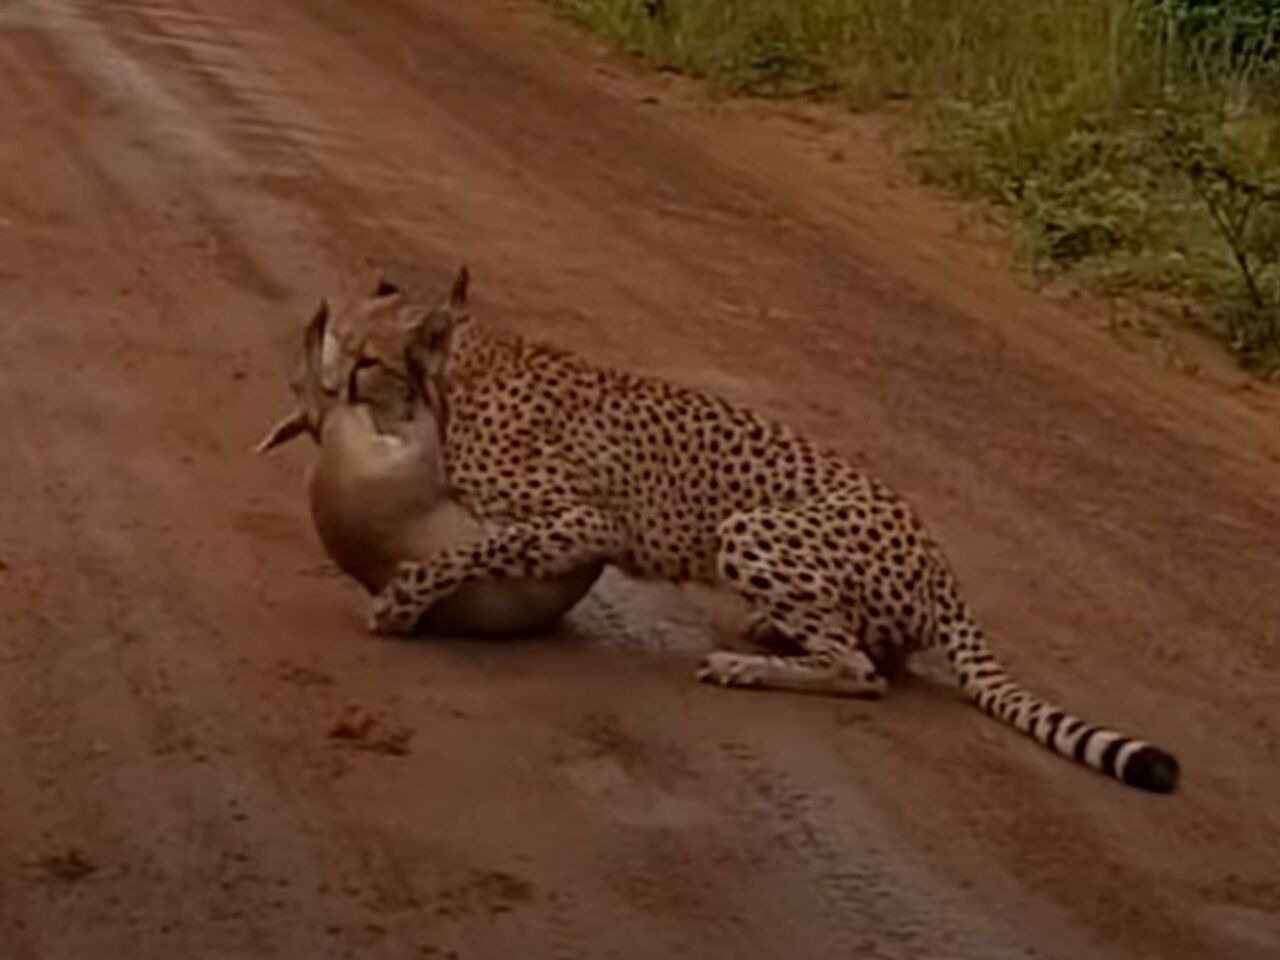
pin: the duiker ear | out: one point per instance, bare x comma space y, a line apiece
322, 351
458, 295
313, 339
284, 431
331, 365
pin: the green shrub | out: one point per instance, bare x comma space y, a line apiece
1057, 109
1248, 29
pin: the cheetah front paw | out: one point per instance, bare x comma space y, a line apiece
391, 615
727, 669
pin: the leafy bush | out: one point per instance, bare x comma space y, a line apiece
1059, 110
1244, 28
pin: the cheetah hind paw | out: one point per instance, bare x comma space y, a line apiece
857, 678
728, 669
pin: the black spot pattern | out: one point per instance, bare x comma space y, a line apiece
700, 489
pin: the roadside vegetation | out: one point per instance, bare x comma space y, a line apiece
1135, 143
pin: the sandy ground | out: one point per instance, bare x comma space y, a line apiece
204, 756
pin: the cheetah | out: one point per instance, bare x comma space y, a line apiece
576, 463
377, 491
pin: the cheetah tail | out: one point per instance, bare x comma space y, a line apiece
985, 681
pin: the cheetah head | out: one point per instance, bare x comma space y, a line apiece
407, 339
380, 350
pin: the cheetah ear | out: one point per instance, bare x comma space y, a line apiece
428, 344
430, 329
423, 385
458, 295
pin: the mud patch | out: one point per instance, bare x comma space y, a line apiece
483, 892
363, 729
71, 866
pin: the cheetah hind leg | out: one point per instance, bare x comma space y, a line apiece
783, 664
790, 601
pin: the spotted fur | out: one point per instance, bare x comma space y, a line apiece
575, 462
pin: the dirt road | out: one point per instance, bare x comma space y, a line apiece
202, 755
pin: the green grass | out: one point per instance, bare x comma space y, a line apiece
1136, 143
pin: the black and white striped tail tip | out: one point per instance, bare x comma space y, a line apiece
1152, 769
